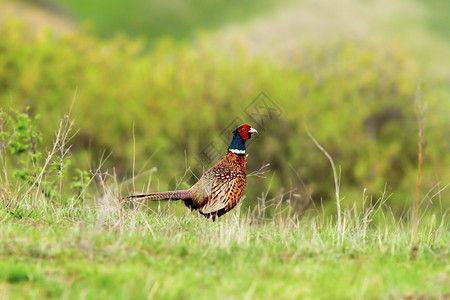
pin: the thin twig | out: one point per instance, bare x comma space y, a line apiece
420, 110
336, 184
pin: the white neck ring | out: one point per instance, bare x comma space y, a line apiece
237, 151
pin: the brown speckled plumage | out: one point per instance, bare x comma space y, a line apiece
221, 187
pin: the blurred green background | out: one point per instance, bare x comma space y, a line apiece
158, 81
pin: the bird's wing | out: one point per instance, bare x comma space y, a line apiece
226, 190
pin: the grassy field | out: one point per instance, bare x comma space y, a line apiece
112, 253
65, 235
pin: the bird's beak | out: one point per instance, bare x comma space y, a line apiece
252, 130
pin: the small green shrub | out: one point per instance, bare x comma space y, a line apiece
20, 146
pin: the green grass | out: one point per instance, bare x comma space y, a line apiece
156, 18
109, 253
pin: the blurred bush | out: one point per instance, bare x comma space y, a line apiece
357, 100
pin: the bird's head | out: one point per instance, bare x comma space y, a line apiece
244, 131
240, 135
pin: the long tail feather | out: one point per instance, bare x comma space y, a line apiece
172, 195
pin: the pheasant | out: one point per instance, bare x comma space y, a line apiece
221, 187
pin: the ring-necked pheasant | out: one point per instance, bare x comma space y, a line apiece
221, 187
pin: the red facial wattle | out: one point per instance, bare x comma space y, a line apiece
243, 132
